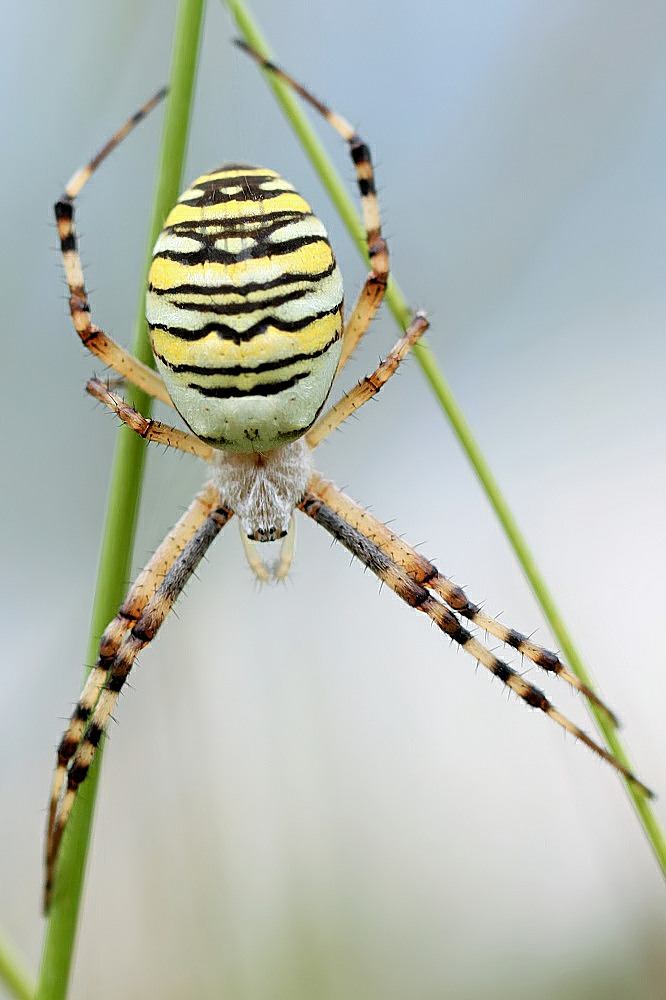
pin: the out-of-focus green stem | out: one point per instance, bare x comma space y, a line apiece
398, 305
118, 538
13, 974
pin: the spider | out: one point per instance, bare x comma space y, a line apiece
245, 312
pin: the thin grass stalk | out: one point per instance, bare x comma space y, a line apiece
14, 976
397, 303
126, 480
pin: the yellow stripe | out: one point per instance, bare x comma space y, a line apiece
310, 259
245, 209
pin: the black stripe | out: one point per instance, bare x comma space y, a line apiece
142, 632
67, 748
262, 389
461, 636
213, 255
68, 243
94, 734
256, 226
536, 699
239, 308
233, 370
359, 151
64, 209
548, 660
77, 775
242, 336
234, 178
502, 670
513, 638
249, 191
116, 682
240, 221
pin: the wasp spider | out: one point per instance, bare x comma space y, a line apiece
245, 310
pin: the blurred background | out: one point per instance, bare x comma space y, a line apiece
310, 793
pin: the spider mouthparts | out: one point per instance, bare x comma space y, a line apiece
267, 535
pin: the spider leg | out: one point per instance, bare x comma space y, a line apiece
425, 573
285, 559
368, 386
254, 560
367, 549
92, 337
151, 430
374, 287
144, 609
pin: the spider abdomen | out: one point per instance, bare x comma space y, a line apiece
244, 306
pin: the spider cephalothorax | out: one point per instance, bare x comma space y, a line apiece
244, 306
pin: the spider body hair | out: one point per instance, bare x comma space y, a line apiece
263, 488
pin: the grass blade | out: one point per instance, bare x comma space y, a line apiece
122, 509
13, 974
397, 303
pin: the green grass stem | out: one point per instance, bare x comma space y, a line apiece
397, 303
13, 973
119, 530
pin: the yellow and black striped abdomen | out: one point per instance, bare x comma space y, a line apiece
244, 306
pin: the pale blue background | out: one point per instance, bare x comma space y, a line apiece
311, 793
